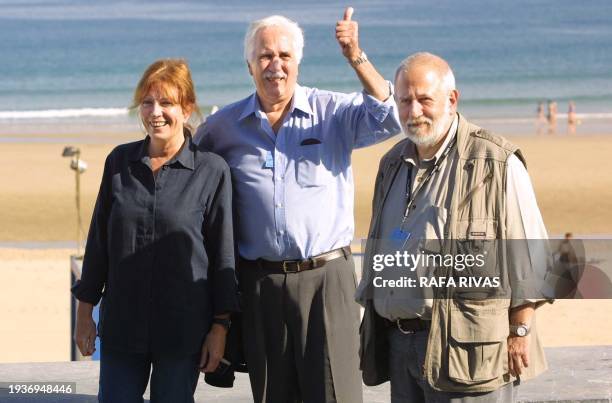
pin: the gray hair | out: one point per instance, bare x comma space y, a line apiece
292, 27
436, 62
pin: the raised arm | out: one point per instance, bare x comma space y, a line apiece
347, 34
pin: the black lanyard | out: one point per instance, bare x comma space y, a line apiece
431, 173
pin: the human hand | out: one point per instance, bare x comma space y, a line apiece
348, 36
518, 354
213, 348
85, 334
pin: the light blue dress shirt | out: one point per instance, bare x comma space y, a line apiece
293, 191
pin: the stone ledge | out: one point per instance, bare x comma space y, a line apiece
576, 374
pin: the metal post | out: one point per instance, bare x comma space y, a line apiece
73, 347
75, 260
78, 201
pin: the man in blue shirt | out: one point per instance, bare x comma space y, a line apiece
289, 149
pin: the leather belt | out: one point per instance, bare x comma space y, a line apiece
296, 266
409, 326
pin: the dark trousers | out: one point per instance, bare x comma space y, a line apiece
124, 377
300, 333
408, 385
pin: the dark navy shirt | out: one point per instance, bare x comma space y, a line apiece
160, 250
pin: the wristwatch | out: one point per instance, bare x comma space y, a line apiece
361, 59
520, 330
226, 323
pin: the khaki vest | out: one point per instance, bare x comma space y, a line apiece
467, 346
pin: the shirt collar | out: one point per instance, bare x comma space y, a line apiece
409, 154
184, 157
139, 152
251, 106
298, 101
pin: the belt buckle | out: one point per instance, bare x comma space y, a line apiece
287, 266
399, 327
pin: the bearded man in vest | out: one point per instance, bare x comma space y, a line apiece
450, 189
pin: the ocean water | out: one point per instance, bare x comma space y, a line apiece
73, 63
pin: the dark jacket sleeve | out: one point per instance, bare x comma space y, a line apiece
95, 263
219, 243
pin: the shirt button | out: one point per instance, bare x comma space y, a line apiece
281, 232
279, 205
420, 178
165, 167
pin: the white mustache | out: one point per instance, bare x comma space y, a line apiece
419, 121
268, 75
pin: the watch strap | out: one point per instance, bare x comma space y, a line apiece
360, 60
514, 329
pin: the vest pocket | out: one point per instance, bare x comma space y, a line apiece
478, 349
476, 242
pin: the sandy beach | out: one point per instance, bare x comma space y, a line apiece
571, 176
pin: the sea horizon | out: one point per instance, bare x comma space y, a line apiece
74, 65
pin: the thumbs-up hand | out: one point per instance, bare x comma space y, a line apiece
347, 35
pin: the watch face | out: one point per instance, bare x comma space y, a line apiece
521, 331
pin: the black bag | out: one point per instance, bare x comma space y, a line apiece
374, 347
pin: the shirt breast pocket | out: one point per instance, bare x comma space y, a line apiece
311, 169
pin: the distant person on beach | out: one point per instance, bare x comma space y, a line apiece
572, 119
566, 251
552, 117
289, 149
450, 189
540, 117
566, 275
160, 252
576, 277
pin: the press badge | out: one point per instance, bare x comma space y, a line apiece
399, 234
269, 164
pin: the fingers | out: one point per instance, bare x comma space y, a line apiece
518, 365
511, 364
516, 362
348, 14
86, 347
213, 363
518, 354
87, 344
82, 345
203, 357
209, 359
85, 337
525, 359
91, 346
346, 26
346, 20
514, 365
347, 34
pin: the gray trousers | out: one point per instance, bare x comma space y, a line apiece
406, 360
300, 333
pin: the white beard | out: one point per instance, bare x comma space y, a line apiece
437, 130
